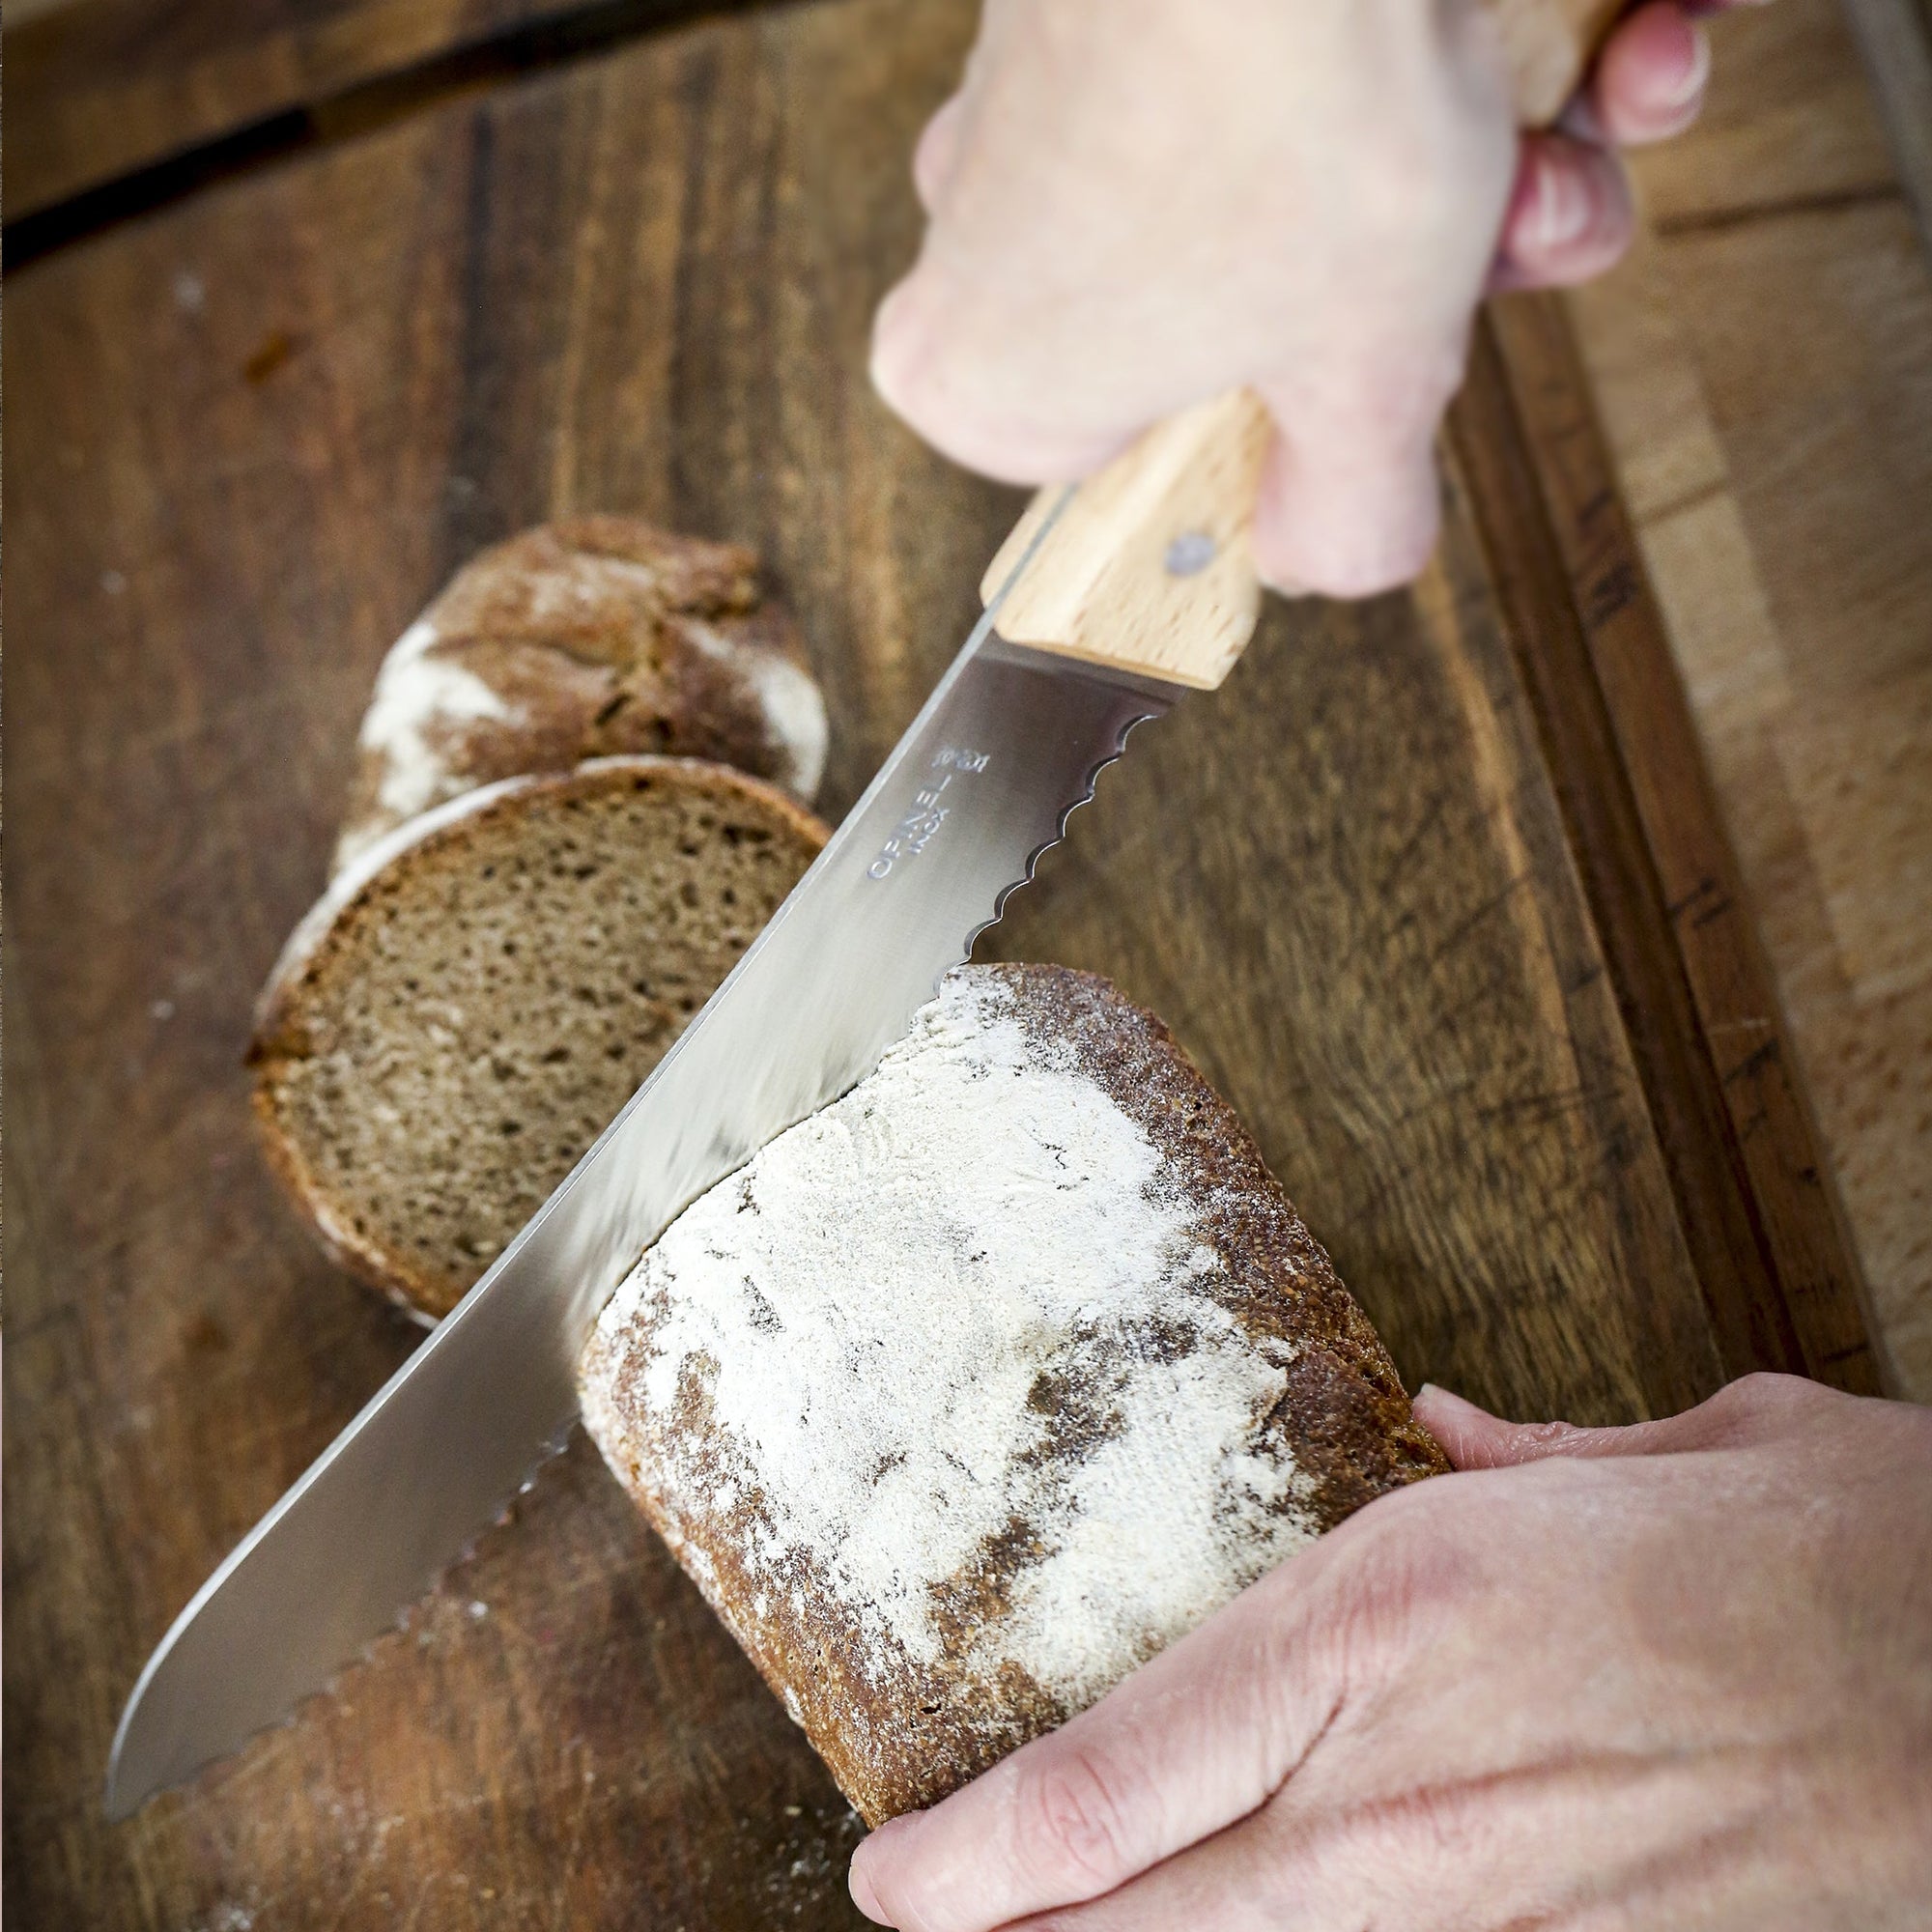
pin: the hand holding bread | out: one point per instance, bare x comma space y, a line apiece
1672, 1675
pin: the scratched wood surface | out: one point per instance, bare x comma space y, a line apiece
1763, 363
100, 89
248, 435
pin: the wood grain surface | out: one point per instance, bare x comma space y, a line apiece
97, 90
1757, 1207
1763, 366
248, 435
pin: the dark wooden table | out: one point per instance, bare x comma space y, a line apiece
1432, 888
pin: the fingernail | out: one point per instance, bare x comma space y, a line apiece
862, 1894
1564, 209
1689, 84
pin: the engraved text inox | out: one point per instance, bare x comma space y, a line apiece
930, 804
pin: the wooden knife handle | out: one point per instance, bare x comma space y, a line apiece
1147, 566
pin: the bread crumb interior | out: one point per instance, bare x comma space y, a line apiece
497, 998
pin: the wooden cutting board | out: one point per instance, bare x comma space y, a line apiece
1432, 888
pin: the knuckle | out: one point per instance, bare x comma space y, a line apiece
903, 351
1762, 1398
922, 360
1077, 1809
1422, 1825
1340, 1850
934, 155
1355, 563
1402, 1576
1764, 1391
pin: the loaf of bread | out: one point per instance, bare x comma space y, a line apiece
590, 638
479, 993
973, 1391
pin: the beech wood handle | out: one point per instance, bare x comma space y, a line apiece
1147, 567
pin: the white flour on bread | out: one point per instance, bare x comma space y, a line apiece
886, 1320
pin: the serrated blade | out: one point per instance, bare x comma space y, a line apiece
978, 787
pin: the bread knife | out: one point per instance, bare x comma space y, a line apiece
1111, 599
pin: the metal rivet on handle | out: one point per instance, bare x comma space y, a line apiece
1189, 554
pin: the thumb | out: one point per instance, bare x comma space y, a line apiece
957, 382
1190, 1742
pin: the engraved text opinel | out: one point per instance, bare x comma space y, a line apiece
929, 806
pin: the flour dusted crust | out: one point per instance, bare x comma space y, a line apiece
979, 1387
594, 637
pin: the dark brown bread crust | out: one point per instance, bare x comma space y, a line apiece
898, 1735
1346, 1409
591, 662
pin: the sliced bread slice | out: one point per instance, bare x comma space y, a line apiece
976, 1389
474, 1000
589, 638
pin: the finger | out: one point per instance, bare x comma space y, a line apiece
1754, 1408
1568, 218
949, 387
1350, 503
933, 156
1191, 1741
1650, 79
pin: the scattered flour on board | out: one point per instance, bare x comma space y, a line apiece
895, 1308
